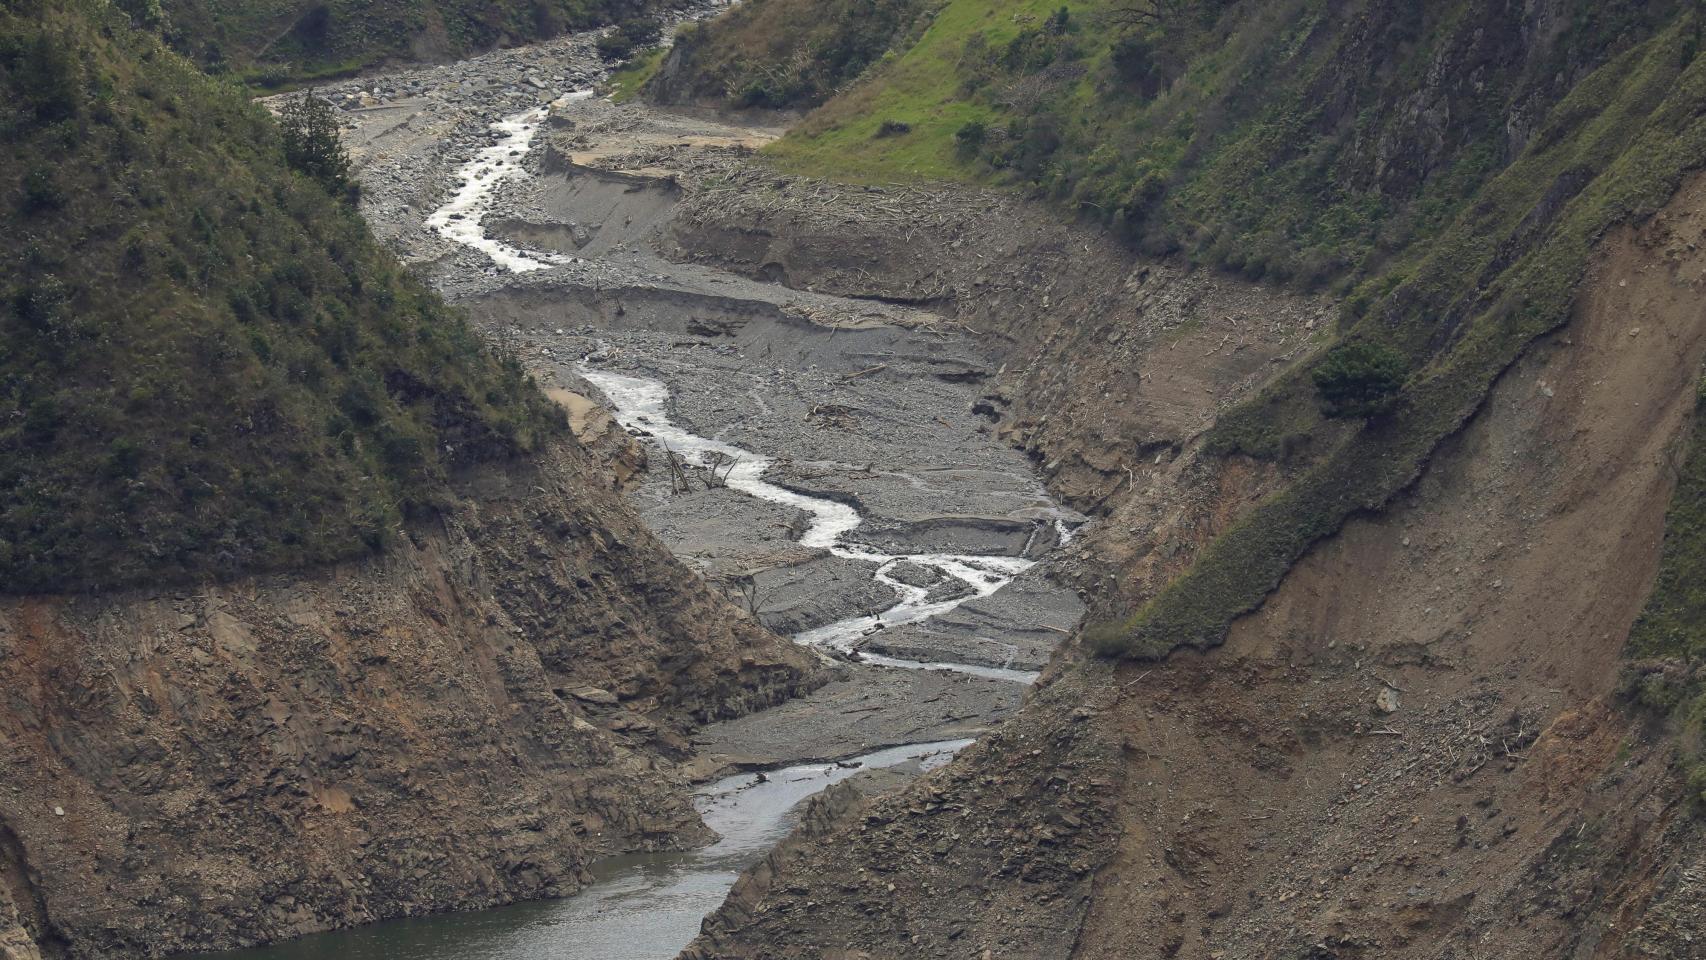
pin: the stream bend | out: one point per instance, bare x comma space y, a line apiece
641, 405
650, 906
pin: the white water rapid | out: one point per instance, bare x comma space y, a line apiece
462, 216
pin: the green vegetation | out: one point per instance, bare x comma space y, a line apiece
1359, 379
273, 43
1278, 141
626, 82
1668, 641
207, 365
785, 54
630, 35
1435, 163
309, 132
1460, 309
920, 85
1448, 167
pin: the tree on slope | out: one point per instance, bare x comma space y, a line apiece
311, 144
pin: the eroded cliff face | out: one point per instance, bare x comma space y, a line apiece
463, 721
1414, 748
1116, 367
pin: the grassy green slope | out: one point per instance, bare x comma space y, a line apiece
1461, 307
922, 88
1302, 140
628, 80
207, 365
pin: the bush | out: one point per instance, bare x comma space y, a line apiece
759, 92
1359, 379
42, 192
47, 77
1137, 65
629, 35
615, 46
43, 305
970, 136
641, 30
146, 14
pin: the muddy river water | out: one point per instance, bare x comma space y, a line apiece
943, 544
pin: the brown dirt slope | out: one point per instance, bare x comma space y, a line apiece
464, 722
1257, 801
1117, 365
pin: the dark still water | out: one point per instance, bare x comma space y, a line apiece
642, 907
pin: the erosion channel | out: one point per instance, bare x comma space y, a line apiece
815, 457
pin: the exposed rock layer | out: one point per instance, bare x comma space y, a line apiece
464, 721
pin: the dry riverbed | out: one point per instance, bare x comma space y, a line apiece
859, 402
818, 458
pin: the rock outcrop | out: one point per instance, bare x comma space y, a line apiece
466, 720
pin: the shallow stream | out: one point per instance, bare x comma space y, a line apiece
642, 405
648, 907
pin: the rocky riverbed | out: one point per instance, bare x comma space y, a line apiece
818, 458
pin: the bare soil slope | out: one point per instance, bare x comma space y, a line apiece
1412, 749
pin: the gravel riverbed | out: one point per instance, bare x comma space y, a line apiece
517, 192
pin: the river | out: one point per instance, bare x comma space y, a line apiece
640, 907
642, 405
648, 907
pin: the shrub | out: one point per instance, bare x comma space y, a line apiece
47, 77
146, 14
43, 304
762, 92
42, 192
641, 30
629, 35
1137, 65
969, 138
1359, 379
615, 46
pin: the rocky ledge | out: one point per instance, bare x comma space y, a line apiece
466, 720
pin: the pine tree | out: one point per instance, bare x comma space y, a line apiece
311, 144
